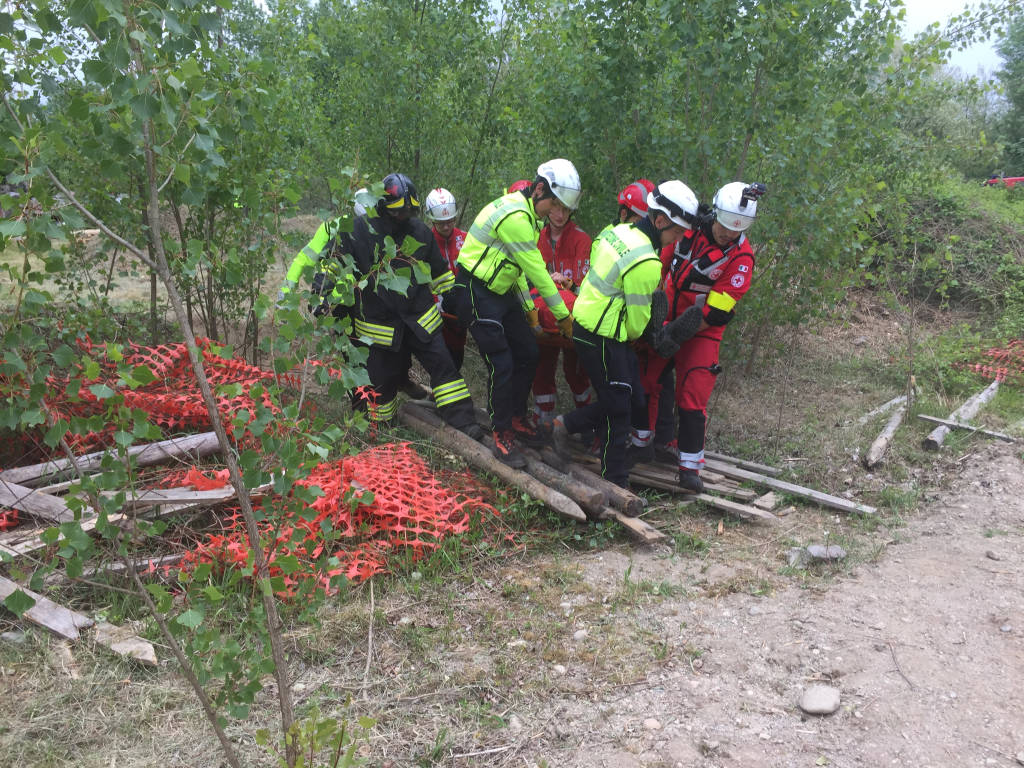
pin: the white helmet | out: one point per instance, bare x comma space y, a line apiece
363, 199
675, 200
563, 180
440, 205
736, 205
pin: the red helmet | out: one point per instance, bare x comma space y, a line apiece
646, 184
519, 186
634, 197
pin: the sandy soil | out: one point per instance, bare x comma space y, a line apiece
926, 647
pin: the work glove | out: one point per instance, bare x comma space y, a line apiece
533, 318
323, 284
565, 326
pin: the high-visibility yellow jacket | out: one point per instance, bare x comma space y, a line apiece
501, 250
315, 257
615, 297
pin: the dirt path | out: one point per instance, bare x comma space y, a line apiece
926, 646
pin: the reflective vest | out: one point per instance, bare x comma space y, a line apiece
314, 256
501, 251
615, 297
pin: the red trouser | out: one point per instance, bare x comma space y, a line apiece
696, 371
544, 387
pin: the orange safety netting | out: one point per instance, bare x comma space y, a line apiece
173, 400
8, 519
1004, 364
411, 512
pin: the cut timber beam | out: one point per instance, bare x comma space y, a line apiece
735, 508
964, 413
146, 455
66, 623
157, 497
824, 499
46, 613
40, 505
968, 427
637, 528
753, 466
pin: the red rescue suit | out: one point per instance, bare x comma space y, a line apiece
570, 256
697, 271
454, 334
544, 387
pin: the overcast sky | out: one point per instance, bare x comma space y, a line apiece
921, 13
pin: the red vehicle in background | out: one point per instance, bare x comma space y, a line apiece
996, 180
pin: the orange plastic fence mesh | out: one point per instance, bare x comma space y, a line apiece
173, 400
1004, 364
411, 513
8, 519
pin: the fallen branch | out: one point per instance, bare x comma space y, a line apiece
881, 443
883, 408
964, 413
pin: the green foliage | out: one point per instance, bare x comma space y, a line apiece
1011, 76
321, 742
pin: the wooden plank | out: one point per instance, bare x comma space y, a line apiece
963, 414
48, 614
881, 443
968, 427
668, 482
824, 499
40, 505
191, 446
635, 526
753, 466
768, 502
734, 508
156, 497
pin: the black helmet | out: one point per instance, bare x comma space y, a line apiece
400, 193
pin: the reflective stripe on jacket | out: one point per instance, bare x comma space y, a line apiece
501, 251
615, 297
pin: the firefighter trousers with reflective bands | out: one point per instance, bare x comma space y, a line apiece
612, 368
388, 369
506, 343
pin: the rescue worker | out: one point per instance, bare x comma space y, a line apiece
493, 299
441, 209
566, 251
400, 324
315, 258
633, 202
612, 311
710, 269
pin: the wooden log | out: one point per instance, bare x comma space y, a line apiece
881, 443
883, 408
40, 505
590, 498
476, 454
968, 427
734, 508
964, 413
753, 466
824, 499
622, 499
190, 446
768, 502
635, 526
48, 614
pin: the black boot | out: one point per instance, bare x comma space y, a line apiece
689, 480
